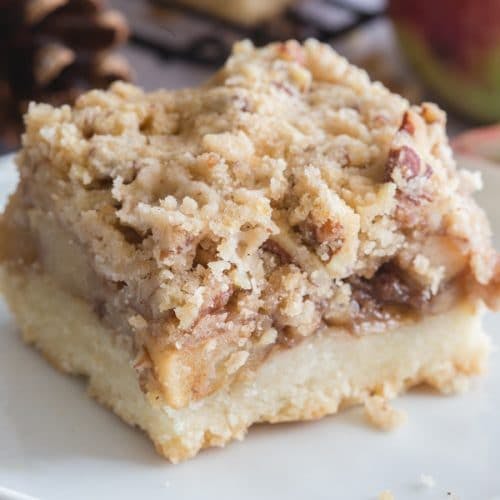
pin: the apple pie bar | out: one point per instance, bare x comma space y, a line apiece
283, 241
243, 12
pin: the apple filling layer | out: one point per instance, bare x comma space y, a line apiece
225, 332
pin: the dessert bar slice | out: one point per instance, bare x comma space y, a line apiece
283, 241
243, 12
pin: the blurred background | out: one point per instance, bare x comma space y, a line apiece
444, 50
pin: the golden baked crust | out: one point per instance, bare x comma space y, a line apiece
214, 225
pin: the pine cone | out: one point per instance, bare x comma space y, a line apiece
52, 50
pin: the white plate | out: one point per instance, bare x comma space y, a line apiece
56, 443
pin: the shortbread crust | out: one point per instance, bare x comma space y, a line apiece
325, 373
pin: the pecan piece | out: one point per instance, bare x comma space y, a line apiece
407, 170
272, 247
403, 160
329, 235
331, 232
407, 163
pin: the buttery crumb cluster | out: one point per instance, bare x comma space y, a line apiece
287, 193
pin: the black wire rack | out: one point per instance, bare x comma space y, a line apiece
183, 33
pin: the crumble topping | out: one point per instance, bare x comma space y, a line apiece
287, 192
